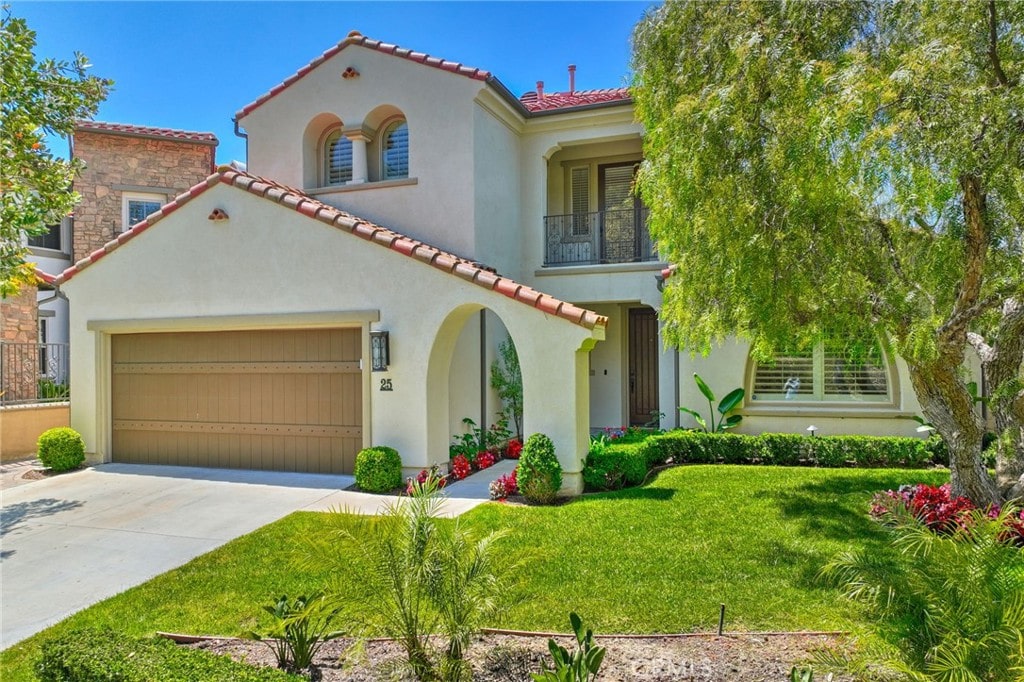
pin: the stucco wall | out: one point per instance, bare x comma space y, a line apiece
439, 109
497, 219
21, 426
114, 163
423, 309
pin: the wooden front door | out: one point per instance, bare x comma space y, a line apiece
643, 365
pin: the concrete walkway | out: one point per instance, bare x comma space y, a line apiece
69, 541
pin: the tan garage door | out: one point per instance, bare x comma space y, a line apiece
281, 400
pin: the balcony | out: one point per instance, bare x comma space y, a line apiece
617, 236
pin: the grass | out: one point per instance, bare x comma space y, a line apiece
660, 558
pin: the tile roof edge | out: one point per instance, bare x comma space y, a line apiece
393, 241
148, 132
356, 38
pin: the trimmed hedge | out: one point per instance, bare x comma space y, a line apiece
379, 469
87, 655
615, 466
618, 464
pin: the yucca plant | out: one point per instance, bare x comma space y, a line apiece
946, 607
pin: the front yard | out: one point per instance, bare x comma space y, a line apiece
660, 558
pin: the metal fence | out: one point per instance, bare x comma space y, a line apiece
33, 373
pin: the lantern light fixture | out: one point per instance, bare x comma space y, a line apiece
380, 350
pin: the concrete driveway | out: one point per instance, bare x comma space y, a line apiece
72, 540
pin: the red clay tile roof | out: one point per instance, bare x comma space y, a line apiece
529, 101
296, 200
146, 131
356, 38
579, 98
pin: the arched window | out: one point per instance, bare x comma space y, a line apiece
826, 373
337, 159
394, 151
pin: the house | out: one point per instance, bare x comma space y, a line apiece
405, 214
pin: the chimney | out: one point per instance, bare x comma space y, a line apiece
572, 78
540, 89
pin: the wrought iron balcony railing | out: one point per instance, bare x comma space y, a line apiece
618, 236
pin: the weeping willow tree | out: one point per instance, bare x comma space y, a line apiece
822, 170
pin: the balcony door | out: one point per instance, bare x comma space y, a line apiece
619, 205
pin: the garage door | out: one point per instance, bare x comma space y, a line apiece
284, 400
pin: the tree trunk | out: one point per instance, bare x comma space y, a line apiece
1001, 363
947, 404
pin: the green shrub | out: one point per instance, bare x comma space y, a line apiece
783, 449
615, 466
684, 447
89, 655
61, 449
938, 451
539, 474
379, 469
300, 629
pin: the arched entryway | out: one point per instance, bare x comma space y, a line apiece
553, 358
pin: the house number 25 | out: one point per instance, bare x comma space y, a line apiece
385, 385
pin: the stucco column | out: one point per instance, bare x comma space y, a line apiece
556, 402
359, 138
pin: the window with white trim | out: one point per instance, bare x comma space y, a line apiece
136, 207
827, 373
337, 159
394, 151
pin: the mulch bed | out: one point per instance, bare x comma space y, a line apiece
511, 658
39, 474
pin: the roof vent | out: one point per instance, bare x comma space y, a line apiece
572, 78
218, 215
540, 89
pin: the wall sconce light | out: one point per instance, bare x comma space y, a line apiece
380, 350
812, 429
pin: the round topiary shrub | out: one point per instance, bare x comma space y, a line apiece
379, 469
539, 474
61, 449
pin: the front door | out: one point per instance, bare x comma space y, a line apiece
643, 365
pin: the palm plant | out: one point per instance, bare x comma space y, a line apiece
420, 577
946, 607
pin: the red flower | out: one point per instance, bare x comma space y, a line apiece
514, 448
460, 467
484, 460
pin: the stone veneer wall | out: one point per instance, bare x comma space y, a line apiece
19, 325
115, 161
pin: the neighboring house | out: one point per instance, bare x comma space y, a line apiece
390, 191
129, 172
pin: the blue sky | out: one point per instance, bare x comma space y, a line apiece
192, 65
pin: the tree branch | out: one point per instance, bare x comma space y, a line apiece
993, 52
975, 251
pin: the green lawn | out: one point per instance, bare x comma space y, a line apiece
655, 559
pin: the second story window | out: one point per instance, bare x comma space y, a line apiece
48, 240
394, 150
337, 159
136, 207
